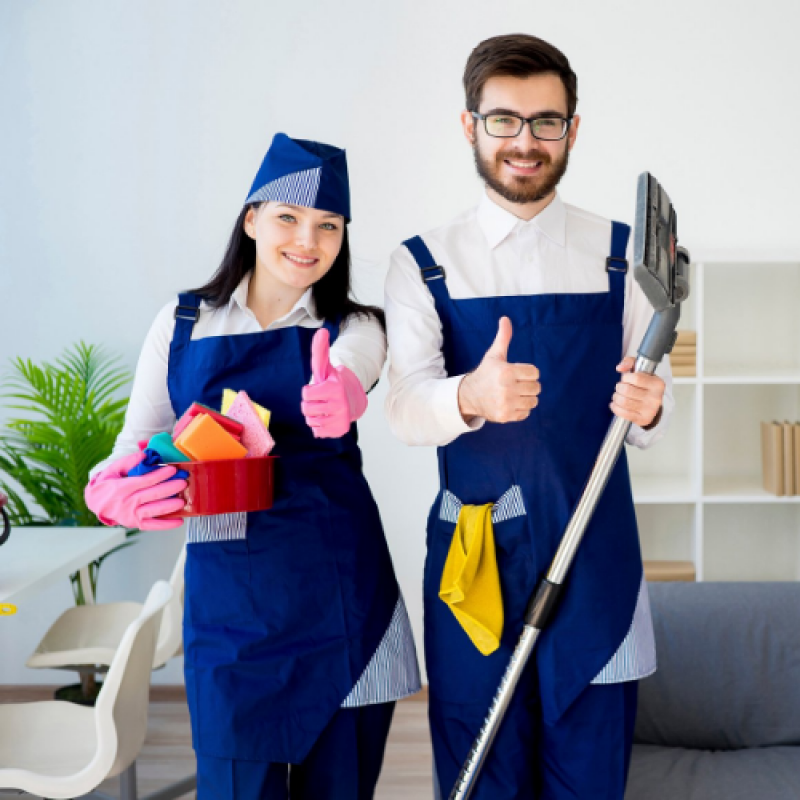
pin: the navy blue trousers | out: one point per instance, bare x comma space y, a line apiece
344, 764
584, 756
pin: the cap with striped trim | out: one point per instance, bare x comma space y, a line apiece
303, 173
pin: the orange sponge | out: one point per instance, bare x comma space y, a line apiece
203, 439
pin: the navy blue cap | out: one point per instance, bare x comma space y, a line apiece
303, 173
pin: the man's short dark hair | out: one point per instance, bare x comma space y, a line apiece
518, 55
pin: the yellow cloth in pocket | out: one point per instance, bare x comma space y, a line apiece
470, 579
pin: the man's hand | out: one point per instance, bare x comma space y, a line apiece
496, 390
638, 396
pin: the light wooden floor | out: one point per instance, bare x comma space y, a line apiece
167, 755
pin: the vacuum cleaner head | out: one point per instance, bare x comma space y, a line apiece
659, 265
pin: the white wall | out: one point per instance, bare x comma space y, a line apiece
130, 132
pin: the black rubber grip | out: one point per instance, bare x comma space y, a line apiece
542, 604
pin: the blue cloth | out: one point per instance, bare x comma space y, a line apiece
283, 615
303, 173
344, 764
585, 755
152, 461
576, 342
162, 443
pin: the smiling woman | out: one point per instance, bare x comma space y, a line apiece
296, 635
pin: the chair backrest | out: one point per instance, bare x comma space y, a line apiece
170, 635
121, 708
728, 666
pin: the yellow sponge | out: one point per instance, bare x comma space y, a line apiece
228, 396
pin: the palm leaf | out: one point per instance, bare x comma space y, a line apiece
73, 413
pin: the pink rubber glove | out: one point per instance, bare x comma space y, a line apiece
336, 398
135, 502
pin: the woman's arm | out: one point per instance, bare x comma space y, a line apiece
361, 347
149, 410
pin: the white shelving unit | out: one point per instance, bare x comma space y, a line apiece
698, 491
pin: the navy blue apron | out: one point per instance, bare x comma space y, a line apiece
281, 615
537, 469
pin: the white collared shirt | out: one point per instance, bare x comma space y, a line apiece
361, 346
488, 252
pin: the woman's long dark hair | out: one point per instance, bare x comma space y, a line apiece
331, 293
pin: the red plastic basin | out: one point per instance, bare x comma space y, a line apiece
224, 487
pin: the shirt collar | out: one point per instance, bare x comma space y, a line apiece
305, 306
497, 223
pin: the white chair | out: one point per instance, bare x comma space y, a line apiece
85, 639
57, 750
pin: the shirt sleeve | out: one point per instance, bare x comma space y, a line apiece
361, 347
422, 404
149, 408
635, 320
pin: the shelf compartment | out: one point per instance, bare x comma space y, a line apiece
666, 532
751, 543
732, 437
751, 320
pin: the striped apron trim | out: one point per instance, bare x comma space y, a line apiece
636, 657
510, 505
393, 672
216, 528
299, 188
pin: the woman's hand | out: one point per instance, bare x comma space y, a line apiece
135, 502
336, 399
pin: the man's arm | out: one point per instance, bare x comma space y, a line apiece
422, 404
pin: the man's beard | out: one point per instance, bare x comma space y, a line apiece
522, 188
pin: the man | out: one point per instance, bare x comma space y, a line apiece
506, 328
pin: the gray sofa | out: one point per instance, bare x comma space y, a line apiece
720, 720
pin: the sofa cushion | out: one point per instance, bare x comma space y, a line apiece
674, 773
728, 666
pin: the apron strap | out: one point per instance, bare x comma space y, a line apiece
187, 312
617, 264
432, 273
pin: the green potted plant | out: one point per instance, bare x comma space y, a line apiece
72, 413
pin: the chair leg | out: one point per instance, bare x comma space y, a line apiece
127, 784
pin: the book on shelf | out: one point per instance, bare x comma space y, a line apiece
682, 361
684, 371
684, 350
797, 458
686, 337
772, 457
788, 458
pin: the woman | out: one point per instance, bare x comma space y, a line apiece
297, 641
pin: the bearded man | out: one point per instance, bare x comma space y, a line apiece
512, 331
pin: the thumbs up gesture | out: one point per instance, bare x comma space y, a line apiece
336, 398
496, 390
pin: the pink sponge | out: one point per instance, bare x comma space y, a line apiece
255, 437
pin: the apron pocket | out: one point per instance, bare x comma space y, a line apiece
457, 671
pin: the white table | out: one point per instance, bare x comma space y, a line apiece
34, 558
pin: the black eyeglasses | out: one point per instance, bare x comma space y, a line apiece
507, 126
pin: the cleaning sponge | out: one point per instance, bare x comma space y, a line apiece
228, 396
206, 440
256, 438
195, 409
